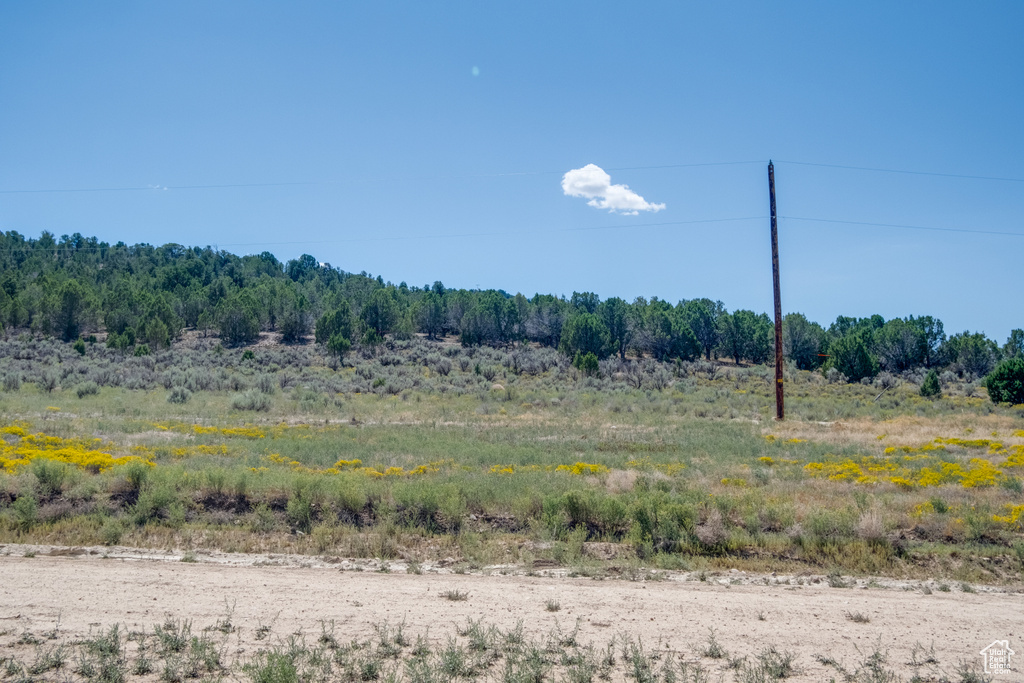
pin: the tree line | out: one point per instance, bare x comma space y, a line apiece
144, 297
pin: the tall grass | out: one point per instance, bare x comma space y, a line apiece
690, 470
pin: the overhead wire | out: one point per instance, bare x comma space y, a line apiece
901, 226
902, 171
309, 183
650, 167
157, 188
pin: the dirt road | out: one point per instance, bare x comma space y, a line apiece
84, 592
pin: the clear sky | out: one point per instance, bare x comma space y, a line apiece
428, 141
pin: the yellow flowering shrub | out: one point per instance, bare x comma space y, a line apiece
581, 468
1013, 518
981, 473
348, 464
1016, 458
93, 455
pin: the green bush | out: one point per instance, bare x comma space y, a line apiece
26, 512
586, 363
179, 395
1006, 383
50, 476
273, 667
12, 381
251, 400
156, 503
87, 389
79, 346
111, 532
930, 387
338, 345
300, 513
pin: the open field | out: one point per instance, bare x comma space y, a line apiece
429, 451
292, 622
204, 514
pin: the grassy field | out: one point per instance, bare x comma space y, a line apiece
428, 451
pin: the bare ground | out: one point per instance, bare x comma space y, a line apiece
81, 591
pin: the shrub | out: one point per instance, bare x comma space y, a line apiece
265, 384
300, 513
1006, 383
12, 381
111, 532
273, 667
338, 345
26, 512
251, 400
179, 395
50, 476
48, 381
79, 346
930, 388
142, 350
87, 389
586, 363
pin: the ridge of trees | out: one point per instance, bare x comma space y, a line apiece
141, 294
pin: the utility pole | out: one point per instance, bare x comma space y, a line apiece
780, 410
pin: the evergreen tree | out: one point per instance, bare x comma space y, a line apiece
584, 333
1006, 383
851, 356
930, 387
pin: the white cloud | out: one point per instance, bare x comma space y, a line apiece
591, 182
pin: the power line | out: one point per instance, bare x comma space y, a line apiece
905, 172
904, 226
313, 183
135, 188
161, 188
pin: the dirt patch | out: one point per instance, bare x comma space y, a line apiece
809, 616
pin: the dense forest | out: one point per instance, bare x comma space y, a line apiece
145, 297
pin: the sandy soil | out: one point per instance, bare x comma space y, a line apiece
83, 592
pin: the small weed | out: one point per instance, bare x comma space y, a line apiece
455, 595
52, 659
263, 630
713, 649
858, 617
835, 580
552, 606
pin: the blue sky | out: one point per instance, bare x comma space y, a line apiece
428, 141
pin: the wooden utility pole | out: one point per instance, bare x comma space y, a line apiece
780, 410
